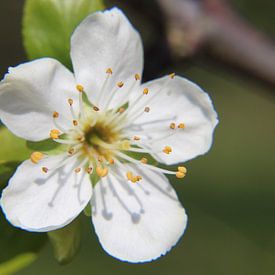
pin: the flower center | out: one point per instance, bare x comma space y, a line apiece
98, 139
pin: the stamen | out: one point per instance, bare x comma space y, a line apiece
172, 125
71, 151
134, 114
181, 172
101, 172
137, 77
109, 71
129, 175
80, 88
129, 90
70, 101
181, 126
120, 84
172, 75
180, 175
75, 122
167, 150
121, 110
136, 138
45, 169
133, 178
54, 134
77, 170
111, 161
103, 89
182, 169
89, 170
144, 160
95, 108
100, 159
55, 114
153, 168
145, 91
36, 157
74, 149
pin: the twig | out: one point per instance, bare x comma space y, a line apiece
213, 25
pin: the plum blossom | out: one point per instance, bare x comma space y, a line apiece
108, 122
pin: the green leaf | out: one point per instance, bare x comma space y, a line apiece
48, 25
48, 146
66, 241
11, 147
18, 247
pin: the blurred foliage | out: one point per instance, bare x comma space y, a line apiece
12, 148
66, 241
48, 25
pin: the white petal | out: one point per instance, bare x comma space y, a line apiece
106, 40
176, 101
37, 201
31, 92
137, 222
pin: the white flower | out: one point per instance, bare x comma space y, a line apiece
135, 211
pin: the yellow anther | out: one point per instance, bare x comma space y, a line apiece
182, 169
145, 91
100, 158
125, 144
55, 114
101, 172
77, 170
137, 77
129, 175
81, 138
75, 122
147, 109
136, 138
89, 170
172, 125
181, 126
172, 75
144, 160
36, 157
121, 110
95, 108
109, 71
45, 169
120, 84
180, 175
54, 134
167, 150
71, 151
80, 88
111, 161
70, 101
134, 179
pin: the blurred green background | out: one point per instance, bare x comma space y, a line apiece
229, 194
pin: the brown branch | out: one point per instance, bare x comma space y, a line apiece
216, 27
